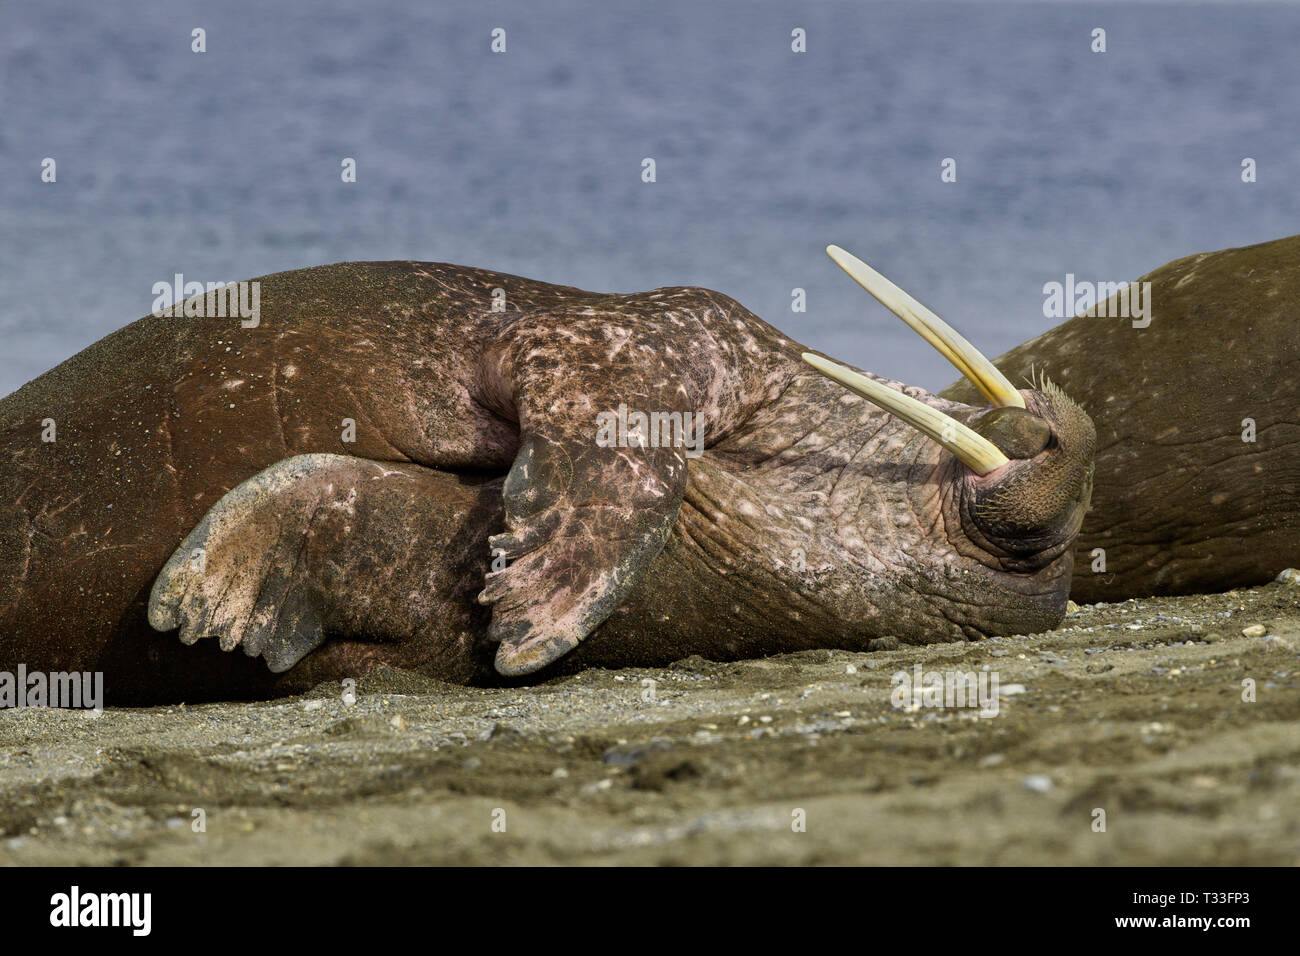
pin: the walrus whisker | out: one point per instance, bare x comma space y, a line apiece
974, 450
967, 359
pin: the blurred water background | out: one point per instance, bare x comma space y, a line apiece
226, 165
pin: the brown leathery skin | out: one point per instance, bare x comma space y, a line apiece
1181, 504
159, 421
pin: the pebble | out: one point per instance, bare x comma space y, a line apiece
1071, 607
1038, 783
1011, 690
1254, 630
1290, 576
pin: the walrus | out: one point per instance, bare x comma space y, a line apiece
1197, 410
478, 476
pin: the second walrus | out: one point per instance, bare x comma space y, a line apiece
1197, 408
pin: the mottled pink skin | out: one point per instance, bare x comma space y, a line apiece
159, 420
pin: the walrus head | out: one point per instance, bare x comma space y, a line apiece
1012, 493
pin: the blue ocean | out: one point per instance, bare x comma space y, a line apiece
226, 164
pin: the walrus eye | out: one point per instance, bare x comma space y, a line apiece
967, 359
1020, 434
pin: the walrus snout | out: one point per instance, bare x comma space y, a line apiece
1036, 505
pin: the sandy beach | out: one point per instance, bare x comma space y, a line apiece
1133, 709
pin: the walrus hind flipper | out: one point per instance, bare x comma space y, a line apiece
312, 546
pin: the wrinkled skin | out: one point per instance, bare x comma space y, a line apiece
812, 519
1181, 503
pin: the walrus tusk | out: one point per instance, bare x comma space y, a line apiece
968, 360
974, 450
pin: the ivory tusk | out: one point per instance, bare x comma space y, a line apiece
974, 450
968, 360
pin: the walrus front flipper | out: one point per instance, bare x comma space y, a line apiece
605, 422
328, 545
